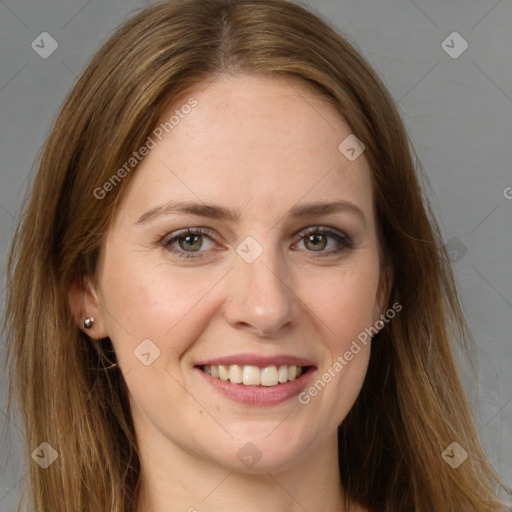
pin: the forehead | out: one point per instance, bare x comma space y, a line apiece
250, 142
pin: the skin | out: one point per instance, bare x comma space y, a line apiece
261, 146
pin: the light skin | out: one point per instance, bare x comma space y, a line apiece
262, 147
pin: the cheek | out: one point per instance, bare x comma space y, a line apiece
345, 304
143, 300
345, 307
338, 385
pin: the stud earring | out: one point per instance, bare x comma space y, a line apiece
88, 322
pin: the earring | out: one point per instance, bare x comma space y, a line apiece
88, 322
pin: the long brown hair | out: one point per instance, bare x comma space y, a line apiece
412, 405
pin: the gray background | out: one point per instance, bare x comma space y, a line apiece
458, 112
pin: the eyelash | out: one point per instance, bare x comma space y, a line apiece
344, 240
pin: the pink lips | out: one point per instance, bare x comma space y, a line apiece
256, 360
259, 395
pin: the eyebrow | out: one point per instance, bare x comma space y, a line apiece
224, 214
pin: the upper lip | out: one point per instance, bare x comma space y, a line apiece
258, 360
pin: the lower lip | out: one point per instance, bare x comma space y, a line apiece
259, 395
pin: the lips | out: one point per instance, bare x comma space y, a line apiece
257, 360
257, 380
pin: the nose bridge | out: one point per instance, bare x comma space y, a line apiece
260, 299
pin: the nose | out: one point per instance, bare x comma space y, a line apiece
261, 299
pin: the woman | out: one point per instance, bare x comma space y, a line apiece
227, 291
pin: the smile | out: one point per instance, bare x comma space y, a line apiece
250, 375
260, 383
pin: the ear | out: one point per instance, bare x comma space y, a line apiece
84, 303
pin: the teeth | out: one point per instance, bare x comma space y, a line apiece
252, 376
249, 375
282, 373
223, 372
235, 374
269, 376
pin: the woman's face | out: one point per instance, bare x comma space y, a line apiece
280, 269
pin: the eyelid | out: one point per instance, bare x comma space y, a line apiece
175, 235
342, 238
325, 230
188, 231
